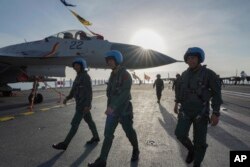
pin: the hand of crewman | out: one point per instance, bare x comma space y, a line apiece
65, 101
214, 120
176, 108
109, 111
86, 109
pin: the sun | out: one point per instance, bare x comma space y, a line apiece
148, 39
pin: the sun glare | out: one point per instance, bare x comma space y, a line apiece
148, 39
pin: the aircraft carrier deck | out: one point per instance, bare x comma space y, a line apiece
26, 137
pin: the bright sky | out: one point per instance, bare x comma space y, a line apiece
220, 27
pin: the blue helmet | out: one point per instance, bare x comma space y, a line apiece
193, 52
80, 61
116, 55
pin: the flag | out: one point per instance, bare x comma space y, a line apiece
67, 4
146, 77
82, 20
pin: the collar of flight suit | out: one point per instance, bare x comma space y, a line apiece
117, 69
81, 72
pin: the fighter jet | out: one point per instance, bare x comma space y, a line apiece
236, 79
50, 56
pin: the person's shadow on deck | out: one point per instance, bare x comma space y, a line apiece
234, 122
227, 139
51, 161
80, 159
169, 124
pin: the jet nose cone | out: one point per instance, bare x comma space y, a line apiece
136, 57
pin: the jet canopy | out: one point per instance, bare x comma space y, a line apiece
76, 34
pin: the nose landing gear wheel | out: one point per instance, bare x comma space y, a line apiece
7, 93
37, 99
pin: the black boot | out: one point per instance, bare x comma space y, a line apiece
135, 155
93, 140
190, 157
60, 146
98, 163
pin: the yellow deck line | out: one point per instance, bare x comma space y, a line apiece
27, 113
45, 109
57, 106
7, 118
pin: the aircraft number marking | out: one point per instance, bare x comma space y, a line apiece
76, 45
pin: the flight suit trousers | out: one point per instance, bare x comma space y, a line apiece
76, 122
158, 94
199, 145
110, 126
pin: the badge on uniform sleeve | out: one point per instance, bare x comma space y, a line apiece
125, 77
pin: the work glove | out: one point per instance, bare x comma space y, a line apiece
214, 119
109, 111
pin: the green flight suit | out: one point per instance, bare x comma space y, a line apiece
159, 84
175, 83
194, 91
82, 92
118, 94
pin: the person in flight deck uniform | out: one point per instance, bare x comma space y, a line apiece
83, 36
82, 92
177, 79
198, 85
119, 108
159, 84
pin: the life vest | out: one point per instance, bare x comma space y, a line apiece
118, 83
201, 91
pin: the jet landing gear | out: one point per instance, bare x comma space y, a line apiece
7, 93
6, 90
34, 97
37, 99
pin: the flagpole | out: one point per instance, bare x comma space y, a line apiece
144, 78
